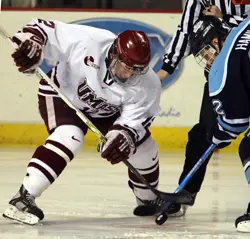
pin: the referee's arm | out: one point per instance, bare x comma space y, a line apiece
230, 19
233, 20
179, 46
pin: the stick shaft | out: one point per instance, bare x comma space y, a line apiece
196, 167
189, 176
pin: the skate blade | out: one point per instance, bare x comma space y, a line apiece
14, 214
180, 213
243, 226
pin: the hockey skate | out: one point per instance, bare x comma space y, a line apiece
144, 207
22, 208
242, 223
151, 207
147, 207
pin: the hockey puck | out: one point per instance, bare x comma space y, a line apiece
162, 218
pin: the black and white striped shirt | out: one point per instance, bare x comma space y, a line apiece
179, 46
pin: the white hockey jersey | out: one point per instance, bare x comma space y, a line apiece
83, 77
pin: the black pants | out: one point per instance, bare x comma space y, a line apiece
198, 144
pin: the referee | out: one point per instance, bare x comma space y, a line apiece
178, 49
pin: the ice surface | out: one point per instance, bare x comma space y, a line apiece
91, 200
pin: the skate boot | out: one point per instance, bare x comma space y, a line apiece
22, 208
242, 223
179, 210
147, 207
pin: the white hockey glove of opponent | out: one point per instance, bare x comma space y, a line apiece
120, 145
29, 54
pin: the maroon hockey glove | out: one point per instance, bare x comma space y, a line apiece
28, 56
120, 146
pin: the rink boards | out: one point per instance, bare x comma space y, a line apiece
168, 139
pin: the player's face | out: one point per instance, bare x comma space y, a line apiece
122, 71
207, 55
125, 74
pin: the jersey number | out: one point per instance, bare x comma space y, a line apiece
47, 23
218, 107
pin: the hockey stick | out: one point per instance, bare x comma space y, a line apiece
171, 197
160, 219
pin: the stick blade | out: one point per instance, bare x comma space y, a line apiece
180, 197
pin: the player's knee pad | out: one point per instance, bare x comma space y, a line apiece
146, 161
66, 141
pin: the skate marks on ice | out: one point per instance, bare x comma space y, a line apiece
82, 205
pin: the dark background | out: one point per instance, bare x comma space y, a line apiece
173, 5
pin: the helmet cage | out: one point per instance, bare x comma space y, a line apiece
136, 70
204, 31
206, 56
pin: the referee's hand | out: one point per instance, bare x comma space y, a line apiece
162, 74
212, 11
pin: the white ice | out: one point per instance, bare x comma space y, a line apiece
91, 200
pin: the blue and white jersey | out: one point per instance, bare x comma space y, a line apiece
229, 81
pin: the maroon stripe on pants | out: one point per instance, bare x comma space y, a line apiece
47, 92
55, 78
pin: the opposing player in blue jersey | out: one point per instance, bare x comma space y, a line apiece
225, 54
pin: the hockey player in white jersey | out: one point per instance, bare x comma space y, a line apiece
109, 79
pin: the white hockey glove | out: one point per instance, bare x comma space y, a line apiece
120, 145
29, 54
